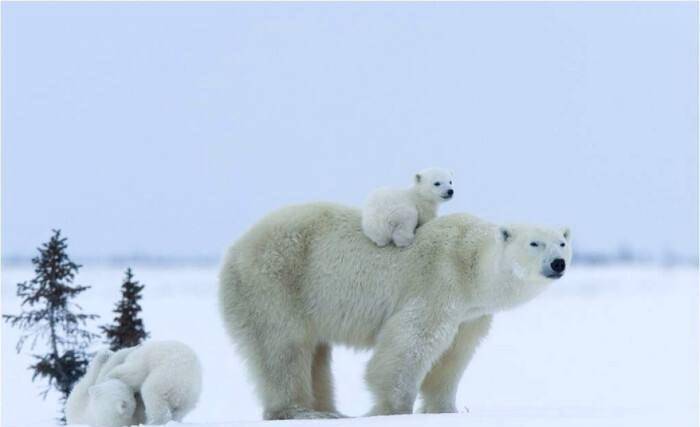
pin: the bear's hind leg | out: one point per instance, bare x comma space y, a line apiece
322, 379
284, 380
155, 402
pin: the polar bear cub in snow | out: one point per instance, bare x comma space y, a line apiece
394, 214
166, 374
100, 404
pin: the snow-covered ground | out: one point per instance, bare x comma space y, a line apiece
608, 346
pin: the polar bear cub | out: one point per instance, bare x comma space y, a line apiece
100, 404
166, 374
394, 214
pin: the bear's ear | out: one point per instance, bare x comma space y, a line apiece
121, 406
566, 232
505, 234
418, 177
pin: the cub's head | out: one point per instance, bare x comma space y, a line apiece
112, 404
536, 254
435, 184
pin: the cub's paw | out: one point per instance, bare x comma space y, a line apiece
403, 241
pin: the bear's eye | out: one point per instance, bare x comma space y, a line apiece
562, 244
450, 182
437, 184
534, 244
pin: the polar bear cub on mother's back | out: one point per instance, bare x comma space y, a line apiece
423, 309
392, 214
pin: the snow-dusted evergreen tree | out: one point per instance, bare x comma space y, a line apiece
127, 330
49, 316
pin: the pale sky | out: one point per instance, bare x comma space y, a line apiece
168, 129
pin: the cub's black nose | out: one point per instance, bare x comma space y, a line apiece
450, 192
558, 265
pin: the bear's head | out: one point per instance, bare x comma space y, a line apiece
112, 404
535, 254
434, 184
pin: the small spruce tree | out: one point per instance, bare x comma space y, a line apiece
49, 315
127, 329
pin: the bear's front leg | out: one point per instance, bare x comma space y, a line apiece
407, 346
439, 387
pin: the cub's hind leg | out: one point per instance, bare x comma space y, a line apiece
404, 222
155, 401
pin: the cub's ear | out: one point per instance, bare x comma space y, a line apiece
566, 232
121, 406
418, 178
505, 234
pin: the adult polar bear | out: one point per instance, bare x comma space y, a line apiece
306, 277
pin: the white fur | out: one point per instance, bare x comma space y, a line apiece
305, 278
117, 358
100, 404
392, 214
166, 374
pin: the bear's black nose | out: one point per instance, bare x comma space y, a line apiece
558, 265
450, 192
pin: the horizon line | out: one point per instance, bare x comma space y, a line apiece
620, 256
